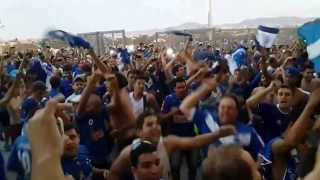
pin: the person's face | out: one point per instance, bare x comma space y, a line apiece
180, 72
148, 167
139, 85
151, 129
238, 75
131, 79
253, 165
77, 86
264, 81
228, 111
308, 74
67, 74
284, 97
71, 143
181, 89
225, 77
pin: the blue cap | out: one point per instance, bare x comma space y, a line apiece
292, 71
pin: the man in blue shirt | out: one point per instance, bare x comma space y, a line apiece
274, 118
32, 103
91, 119
75, 160
228, 112
179, 126
55, 88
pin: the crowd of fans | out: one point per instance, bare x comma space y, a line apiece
138, 115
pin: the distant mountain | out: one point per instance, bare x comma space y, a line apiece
281, 22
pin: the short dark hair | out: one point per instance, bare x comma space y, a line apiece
39, 86
141, 118
284, 86
226, 163
69, 126
55, 81
175, 81
142, 148
234, 98
176, 68
67, 67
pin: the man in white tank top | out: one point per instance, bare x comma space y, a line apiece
141, 100
149, 129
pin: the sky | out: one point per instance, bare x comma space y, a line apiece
31, 18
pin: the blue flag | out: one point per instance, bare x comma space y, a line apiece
72, 40
310, 33
180, 33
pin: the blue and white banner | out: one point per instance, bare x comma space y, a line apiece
72, 40
310, 33
266, 36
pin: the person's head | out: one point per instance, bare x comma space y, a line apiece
67, 71
292, 77
71, 141
139, 84
239, 75
284, 97
148, 126
264, 81
145, 161
131, 77
78, 85
228, 163
308, 73
228, 109
39, 90
179, 86
179, 71
55, 82
93, 104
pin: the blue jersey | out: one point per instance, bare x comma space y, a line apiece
79, 167
246, 136
291, 163
66, 87
20, 158
179, 129
28, 105
93, 134
273, 122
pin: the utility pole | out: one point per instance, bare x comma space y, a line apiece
210, 20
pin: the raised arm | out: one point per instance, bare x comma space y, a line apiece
173, 143
87, 92
5, 100
120, 165
255, 99
192, 100
103, 68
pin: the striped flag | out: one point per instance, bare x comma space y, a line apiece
310, 33
266, 36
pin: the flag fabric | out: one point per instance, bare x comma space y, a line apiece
180, 33
266, 36
236, 60
310, 33
72, 40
